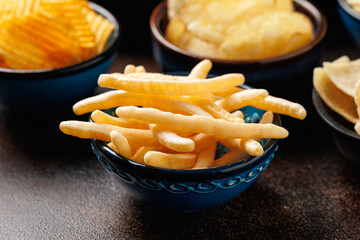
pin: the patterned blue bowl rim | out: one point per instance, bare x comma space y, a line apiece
128, 165
351, 12
114, 39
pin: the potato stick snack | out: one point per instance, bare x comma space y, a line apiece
130, 68
140, 69
231, 157
177, 122
238, 114
281, 106
140, 153
248, 145
206, 157
101, 117
219, 127
120, 143
201, 70
102, 132
242, 99
202, 141
170, 160
116, 98
172, 140
170, 87
267, 117
215, 110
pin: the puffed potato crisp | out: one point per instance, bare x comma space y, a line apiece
338, 85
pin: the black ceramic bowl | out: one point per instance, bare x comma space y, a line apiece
171, 58
52, 90
345, 137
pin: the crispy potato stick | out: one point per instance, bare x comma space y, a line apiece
267, 117
201, 70
135, 137
121, 144
117, 98
111, 146
140, 153
202, 141
129, 69
357, 128
228, 92
195, 123
281, 106
101, 117
169, 160
234, 155
140, 69
242, 99
248, 145
170, 87
215, 110
238, 114
206, 157
172, 140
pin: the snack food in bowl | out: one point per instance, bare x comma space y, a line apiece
266, 66
336, 97
172, 124
350, 16
53, 52
237, 30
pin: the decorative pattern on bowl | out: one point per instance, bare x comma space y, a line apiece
187, 190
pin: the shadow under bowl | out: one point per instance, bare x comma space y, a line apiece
350, 19
186, 190
171, 58
345, 138
58, 89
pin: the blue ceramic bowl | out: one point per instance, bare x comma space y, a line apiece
344, 135
171, 58
351, 20
57, 89
186, 190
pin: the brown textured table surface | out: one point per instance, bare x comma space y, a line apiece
52, 187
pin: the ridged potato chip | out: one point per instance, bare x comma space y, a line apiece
48, 34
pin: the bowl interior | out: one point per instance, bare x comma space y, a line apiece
159, 21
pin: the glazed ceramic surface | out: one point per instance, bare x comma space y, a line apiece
55, 89
345, 137
187, 190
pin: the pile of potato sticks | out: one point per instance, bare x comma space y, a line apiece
177, 122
